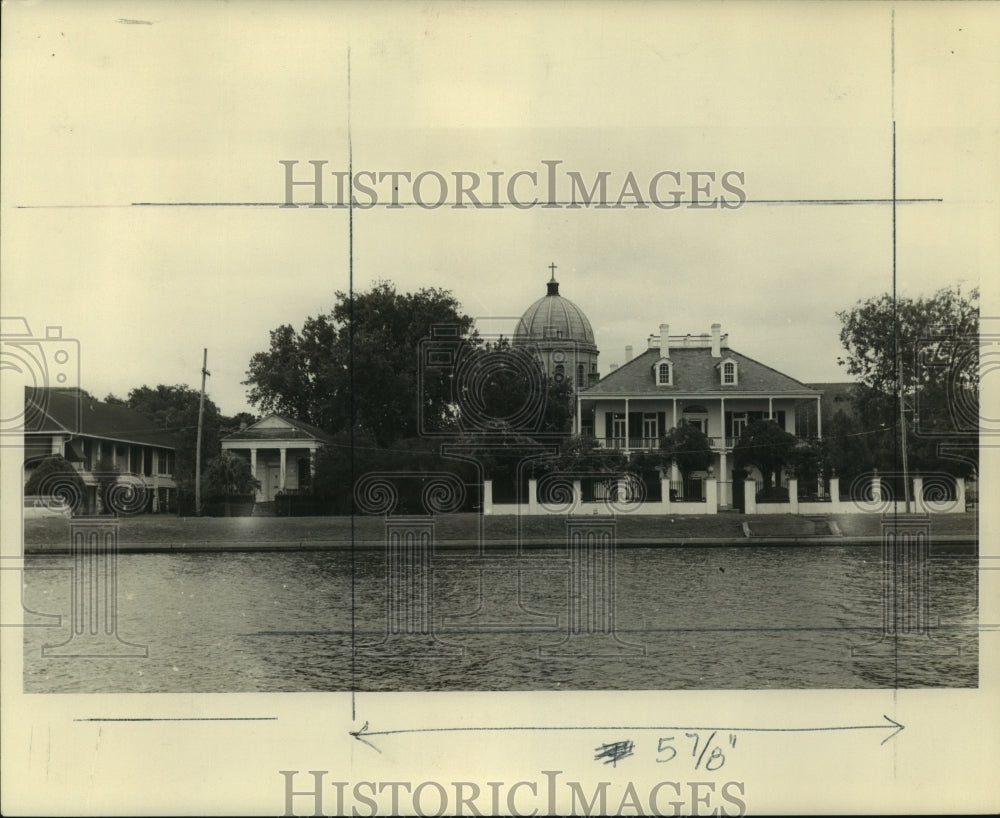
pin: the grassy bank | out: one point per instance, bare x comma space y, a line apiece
181, 532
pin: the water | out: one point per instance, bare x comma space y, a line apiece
707, 618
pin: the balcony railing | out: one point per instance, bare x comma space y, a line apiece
638, 443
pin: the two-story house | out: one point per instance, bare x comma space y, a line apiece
693, 379
89, 432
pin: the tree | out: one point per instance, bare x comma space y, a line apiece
360, 361
923, 351
767, 446
688, 446
55, 477
228, 475
175, 409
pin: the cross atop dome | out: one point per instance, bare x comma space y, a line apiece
553, 284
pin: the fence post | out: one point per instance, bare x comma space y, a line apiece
749, 496
665, 492
533, 496
711, 495
918, 496
793, 494
835, 494
487, 496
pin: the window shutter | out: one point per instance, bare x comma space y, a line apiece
607, 424
661, 423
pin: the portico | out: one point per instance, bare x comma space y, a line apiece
281, 451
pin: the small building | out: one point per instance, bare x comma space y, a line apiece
698, 380
281, 451
88, 432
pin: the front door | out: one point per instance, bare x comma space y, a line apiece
273, 483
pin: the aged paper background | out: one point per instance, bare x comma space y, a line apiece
108, 104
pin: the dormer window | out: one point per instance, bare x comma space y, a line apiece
729, 373
663, 372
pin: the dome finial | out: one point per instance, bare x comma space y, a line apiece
553, 284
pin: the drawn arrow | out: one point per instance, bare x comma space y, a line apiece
364, 732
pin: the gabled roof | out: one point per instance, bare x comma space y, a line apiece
71, 411
695, 372
278, 427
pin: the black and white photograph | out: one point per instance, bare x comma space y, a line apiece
499, 408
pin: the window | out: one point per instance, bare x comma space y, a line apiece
729, 372
663, 374
560, 372
579, 375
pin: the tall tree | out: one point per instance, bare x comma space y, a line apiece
175, 409
361, 359
767, 446
925, 352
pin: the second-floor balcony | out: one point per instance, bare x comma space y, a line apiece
633, 444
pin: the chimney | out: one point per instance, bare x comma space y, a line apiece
628, 353
716, 340
612, 367
664, 338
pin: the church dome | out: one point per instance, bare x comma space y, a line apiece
553, 317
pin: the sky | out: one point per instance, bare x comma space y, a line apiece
107, 105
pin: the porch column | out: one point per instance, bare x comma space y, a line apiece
283, 450
722, 420
627, 430
253, 469
726, 495
675, 413
770, 407
312, 462
579, 422
819, 420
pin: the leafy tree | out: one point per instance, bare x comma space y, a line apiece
175, 409
359, 361
228, 475
767, 446
688, 446
923, 351
55, 474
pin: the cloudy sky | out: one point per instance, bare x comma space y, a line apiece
111, 104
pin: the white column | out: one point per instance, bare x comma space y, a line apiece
283, 451
726, 495
770, 407
819, 419
722, 420
627, 430
312, 462
750, 496
793, 494
918, 495
579, 423
487, 496
675, 413
253, 466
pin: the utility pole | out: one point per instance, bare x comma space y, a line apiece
902, 432
197, 454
